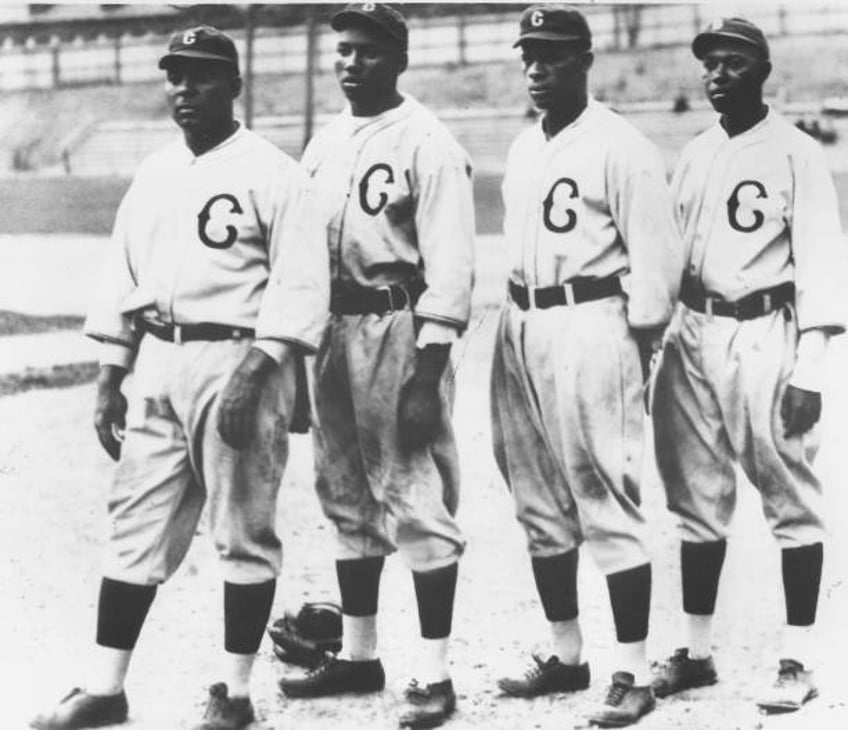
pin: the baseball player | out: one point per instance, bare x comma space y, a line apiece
595, 269
214, 282
741, 371
395, 192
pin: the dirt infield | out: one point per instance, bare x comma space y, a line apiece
53, 481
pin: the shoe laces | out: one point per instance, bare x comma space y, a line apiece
615, 694
328, 661
73, 693
785, 676
535, 670
415, 693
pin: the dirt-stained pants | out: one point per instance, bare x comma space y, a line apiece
717, 400
380, 497
567, 429
173, 461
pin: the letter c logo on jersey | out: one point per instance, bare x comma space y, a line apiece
203, 221
548, 204
364, 184
733, 206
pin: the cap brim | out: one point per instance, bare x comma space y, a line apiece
549, 36
168, 57
704, 41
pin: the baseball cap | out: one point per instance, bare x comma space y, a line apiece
553, 23
201, 41
384, 17
736, 28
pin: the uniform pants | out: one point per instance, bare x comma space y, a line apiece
567, 429
717, 400
380, 497
173, 461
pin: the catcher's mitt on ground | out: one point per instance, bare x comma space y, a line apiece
305, 639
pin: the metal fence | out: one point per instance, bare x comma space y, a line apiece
437, 41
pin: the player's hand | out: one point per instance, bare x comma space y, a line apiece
239, 401
799, 410
110, 410
420, 406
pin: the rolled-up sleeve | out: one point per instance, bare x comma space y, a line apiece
818, 247
643, 211
296, 300
444, 220
105, 320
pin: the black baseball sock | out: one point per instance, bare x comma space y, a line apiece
630, 597
246, 611
359, 585
556, 582
802, 569
700, 569
435, 591
121, 611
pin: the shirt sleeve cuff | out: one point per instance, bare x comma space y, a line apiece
275, 349
111, 353
436, 333
808, 373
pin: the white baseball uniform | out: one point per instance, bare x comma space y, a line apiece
225, 238
588, 204
396, 199
756, 210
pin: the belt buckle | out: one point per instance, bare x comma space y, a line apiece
388, 290
531, 299
708, 306
568, 290
178, 334
766, 303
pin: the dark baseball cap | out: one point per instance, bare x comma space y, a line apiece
385, 17
553, 23
203, 42
735, 28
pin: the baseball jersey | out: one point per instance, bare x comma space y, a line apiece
396, 189
760, 209
593, 202
228, 237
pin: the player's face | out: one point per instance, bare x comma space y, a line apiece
555, 73
200, 94
734, 74
367, 67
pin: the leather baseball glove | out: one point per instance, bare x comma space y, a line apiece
306, 638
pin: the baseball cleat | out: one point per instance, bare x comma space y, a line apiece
794, 686
82, 710
337, 676
625, 703
428, 706
679, 672
544, 677
224, 712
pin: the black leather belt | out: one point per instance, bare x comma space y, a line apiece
750, 306
179, 333
575, 292
352, 299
